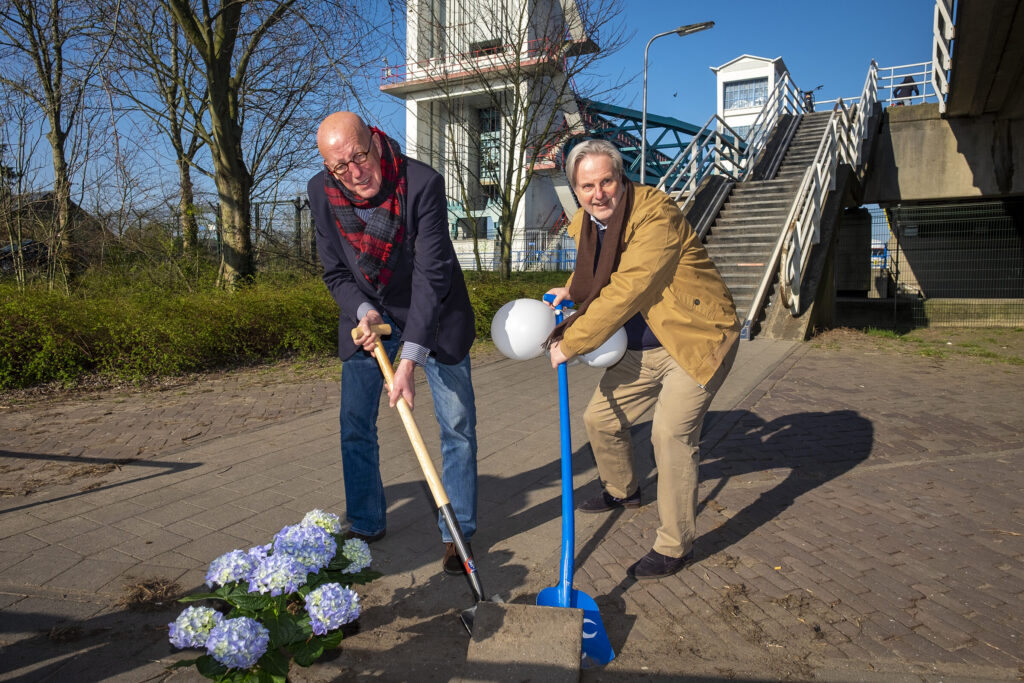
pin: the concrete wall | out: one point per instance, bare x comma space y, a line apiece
919, 156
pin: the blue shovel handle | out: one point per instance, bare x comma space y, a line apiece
597, 650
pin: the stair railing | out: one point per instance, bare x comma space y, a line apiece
714, 150
718, 150
784, 99
843, 141
944, 31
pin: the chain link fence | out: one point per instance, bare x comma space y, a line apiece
951, 264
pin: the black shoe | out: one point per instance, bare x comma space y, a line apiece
654, 565
604, 501
363, 537
452, 563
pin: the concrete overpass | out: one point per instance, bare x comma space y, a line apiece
976, 148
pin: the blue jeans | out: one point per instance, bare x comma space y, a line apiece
454, 405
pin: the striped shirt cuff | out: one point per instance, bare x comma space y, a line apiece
414, 352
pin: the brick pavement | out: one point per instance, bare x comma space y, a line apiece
860, 520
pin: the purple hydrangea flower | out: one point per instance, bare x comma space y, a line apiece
193, 625
327, 521
357, 552
330, 606
238, 643
258, 553
233, 566
276, 575
311, 546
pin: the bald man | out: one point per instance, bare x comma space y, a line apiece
382, 235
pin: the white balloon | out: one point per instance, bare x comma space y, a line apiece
609, 353
521, 326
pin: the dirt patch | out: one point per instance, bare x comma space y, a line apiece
150, 595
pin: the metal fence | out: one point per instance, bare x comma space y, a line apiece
558, 260
955, 264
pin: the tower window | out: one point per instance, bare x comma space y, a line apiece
752, 92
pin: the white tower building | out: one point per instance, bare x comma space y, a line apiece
487, 102
743, 87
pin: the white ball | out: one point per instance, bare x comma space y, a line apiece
521, 326
609, 353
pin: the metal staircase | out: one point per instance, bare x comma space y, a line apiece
778, 188
741, 239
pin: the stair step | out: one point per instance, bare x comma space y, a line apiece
749, 226
755, 211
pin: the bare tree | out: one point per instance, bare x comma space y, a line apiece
262, 61
496, 99
157, 75
47, 44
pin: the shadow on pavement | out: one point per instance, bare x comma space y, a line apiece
98, 467
816, 447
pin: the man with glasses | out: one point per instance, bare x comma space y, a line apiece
382, 235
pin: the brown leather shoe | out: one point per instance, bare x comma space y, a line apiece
451, 563
363, 537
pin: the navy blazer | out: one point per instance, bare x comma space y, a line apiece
426, 296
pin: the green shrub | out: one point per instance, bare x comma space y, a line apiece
127, 322
488, 292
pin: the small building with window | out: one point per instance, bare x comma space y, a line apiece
743, 86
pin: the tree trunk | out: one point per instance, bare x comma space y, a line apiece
234, 185
63, 240
187, 210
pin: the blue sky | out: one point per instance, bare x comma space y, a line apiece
823, 42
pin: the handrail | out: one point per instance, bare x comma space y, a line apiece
784, 99
944, 31
843, 141
710, 150
718, 150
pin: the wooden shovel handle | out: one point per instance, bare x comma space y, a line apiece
381, 329
420, 448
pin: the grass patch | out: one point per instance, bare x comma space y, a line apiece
988, 345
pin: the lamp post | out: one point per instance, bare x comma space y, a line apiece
681, 31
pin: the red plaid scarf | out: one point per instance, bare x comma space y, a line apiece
376, 242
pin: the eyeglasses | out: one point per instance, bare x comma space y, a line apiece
359, 158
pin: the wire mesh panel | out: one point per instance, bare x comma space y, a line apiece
961, 264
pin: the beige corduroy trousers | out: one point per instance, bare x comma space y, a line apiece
627, 390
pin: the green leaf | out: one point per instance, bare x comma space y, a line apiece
274, 664
266, 677
210, 667
307, 652
284, 628
195, 597
254, 602
332, 639
339, 562
364, 576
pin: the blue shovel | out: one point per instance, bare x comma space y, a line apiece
597, 651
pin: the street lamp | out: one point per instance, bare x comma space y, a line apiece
681, 31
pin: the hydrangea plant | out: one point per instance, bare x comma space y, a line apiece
286, 600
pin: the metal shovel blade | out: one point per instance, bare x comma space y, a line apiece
597, 650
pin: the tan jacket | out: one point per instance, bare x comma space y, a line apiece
665, 274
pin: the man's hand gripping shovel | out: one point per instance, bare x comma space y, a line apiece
433, 481
597, 650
